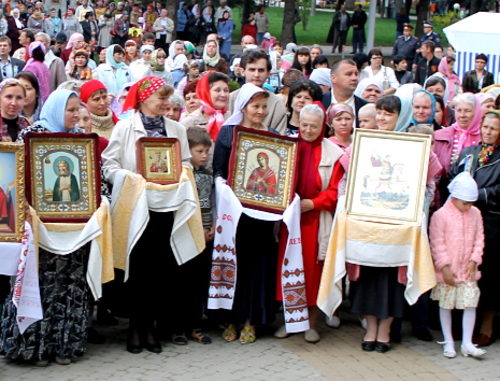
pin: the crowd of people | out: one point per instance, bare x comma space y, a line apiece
192, 89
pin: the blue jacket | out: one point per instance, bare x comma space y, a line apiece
182, 18
225, 29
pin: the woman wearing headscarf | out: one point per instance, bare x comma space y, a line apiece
424, 109
319, 173
95, 95
487, 102
175, 60
212, 59
62, 278
73, 40
483, 162
213, 93
12, 99
450, 141
80, 70
141, 67
157, 66
71, 24
256, 272
36, 66
120, 29
225, 27
114, 73
446, 69
117, 103
36, 20
369, 89
33, 101
131, 52
151, 255
340, 118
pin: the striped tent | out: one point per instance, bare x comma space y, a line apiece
479, 33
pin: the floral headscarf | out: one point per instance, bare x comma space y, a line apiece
142, 90
216, 116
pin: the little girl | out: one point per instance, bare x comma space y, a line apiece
457, 242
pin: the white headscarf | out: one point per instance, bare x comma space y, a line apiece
236, 61
247, 91
463, 187
365, 83
211, 61
173, 61
321, 76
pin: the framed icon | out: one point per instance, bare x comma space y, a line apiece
159, 160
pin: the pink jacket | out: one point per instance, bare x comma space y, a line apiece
456, 238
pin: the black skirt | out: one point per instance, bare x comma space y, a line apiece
377, 292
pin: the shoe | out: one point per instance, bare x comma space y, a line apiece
482, 340
153, 347
247, 335
472, 353
63, 360
422, 334
134, 349
229, 333
368, 346
311, 336
352, 53
381, 347
200, 337
333, 322
94, 337
104, 317
179, 338
41, 363
450, 353
281, 333
395, 336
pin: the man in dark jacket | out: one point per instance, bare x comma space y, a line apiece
428, 65
358, 25
406, 45
475, 80
344, 76
89, 27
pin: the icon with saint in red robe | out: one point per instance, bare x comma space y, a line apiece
262, 178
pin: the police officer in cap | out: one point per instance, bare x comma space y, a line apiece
406, 45
429, 34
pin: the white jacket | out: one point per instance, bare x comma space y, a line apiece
157, 27
330, 154
121, 150
106, 75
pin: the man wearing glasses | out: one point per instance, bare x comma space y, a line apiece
9, 66
475, 80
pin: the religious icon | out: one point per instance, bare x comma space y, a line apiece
263, 169
159, 160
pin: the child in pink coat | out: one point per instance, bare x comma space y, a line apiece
457, 242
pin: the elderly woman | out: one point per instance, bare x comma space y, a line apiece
301, 93
369, 89
212, 59
114, 73
71, 24
12, 99
340, 118
383, 74
256, 273
139, 68
450, 141
319, 172
36, 65
213, 94
63, 287
33, 106
424, 109
176, 59
149, 98
175, 105
483, 161
95, 95
487, 102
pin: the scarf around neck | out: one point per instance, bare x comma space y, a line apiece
216, 116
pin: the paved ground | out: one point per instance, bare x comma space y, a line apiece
338, 356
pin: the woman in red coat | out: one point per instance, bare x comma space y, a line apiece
319, 173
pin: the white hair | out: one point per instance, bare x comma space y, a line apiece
465, 98
45, 35
176, 99
312, 109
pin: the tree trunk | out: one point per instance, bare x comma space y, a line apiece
398, 5
422, 15
313, 7
350, 5
408, 7
247, 8
288, 22
172, 7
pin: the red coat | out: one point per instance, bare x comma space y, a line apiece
249, 30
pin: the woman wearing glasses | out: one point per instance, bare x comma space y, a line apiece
378, 71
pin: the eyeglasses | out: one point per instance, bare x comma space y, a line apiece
161, 57
376, 58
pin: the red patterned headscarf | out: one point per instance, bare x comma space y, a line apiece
216, 116
142, 90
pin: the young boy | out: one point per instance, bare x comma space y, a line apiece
366, 117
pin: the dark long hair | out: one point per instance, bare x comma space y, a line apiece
296, 64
